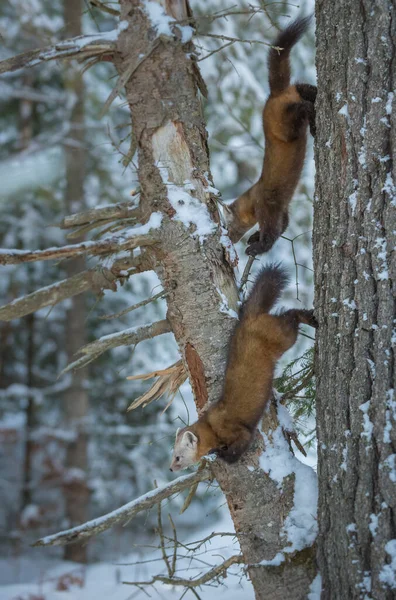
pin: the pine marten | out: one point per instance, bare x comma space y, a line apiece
286, 115
259, 340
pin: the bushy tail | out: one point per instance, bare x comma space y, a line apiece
278, 60
266, 290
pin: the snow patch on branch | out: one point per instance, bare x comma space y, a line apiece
163, 22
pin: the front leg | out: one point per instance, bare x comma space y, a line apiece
263, 240
233, 452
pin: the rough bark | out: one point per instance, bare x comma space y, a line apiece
354, 229
75, 399
170, 133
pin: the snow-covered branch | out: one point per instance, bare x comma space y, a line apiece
133, 238
123, 210
128, 337
97, 279
124, 513
83, 46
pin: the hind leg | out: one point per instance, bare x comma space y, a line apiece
262, 241
296, 119
289, 322
308, 94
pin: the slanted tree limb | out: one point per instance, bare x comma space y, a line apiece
82, 46
106, 246
124, 513
128, 337
96, 279
121, 210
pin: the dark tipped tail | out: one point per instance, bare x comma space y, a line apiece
278, 60
266, 290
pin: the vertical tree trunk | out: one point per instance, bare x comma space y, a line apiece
354, 236
173, 156
76, 396
25, 136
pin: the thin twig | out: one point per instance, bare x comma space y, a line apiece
124, 513
246, 273
135, 306
212, 574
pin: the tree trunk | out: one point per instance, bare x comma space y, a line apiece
355, 275
173, 156
76, 406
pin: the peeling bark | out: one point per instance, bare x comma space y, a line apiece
355, 271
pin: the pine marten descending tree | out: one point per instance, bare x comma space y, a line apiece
286, 115
259, 340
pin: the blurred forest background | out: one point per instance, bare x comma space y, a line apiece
68, 449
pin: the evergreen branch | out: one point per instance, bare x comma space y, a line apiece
82, 46
124, 513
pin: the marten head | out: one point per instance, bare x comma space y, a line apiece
185, 452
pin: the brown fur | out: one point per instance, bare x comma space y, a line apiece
286, 115
259, 340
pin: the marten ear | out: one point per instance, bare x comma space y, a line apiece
190, 439
177, 432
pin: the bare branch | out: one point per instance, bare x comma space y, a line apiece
52, 294
211, 575
124, 513
135, 306
97, 279
81, 46
246, 273
105, 8
127, 241
128, 337
122, 210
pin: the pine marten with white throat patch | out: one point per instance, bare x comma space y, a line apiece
257, 343
286, 115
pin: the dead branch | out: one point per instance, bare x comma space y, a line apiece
122, 210
124, 513
134, 307
106, 246
82, 46
168, 382
131, 336
97, 279
52, 294
193, 489
104, 7
246, 273
211, 575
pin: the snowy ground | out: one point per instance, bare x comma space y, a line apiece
59, 580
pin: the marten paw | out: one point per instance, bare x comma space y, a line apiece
311, 319
258, 248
